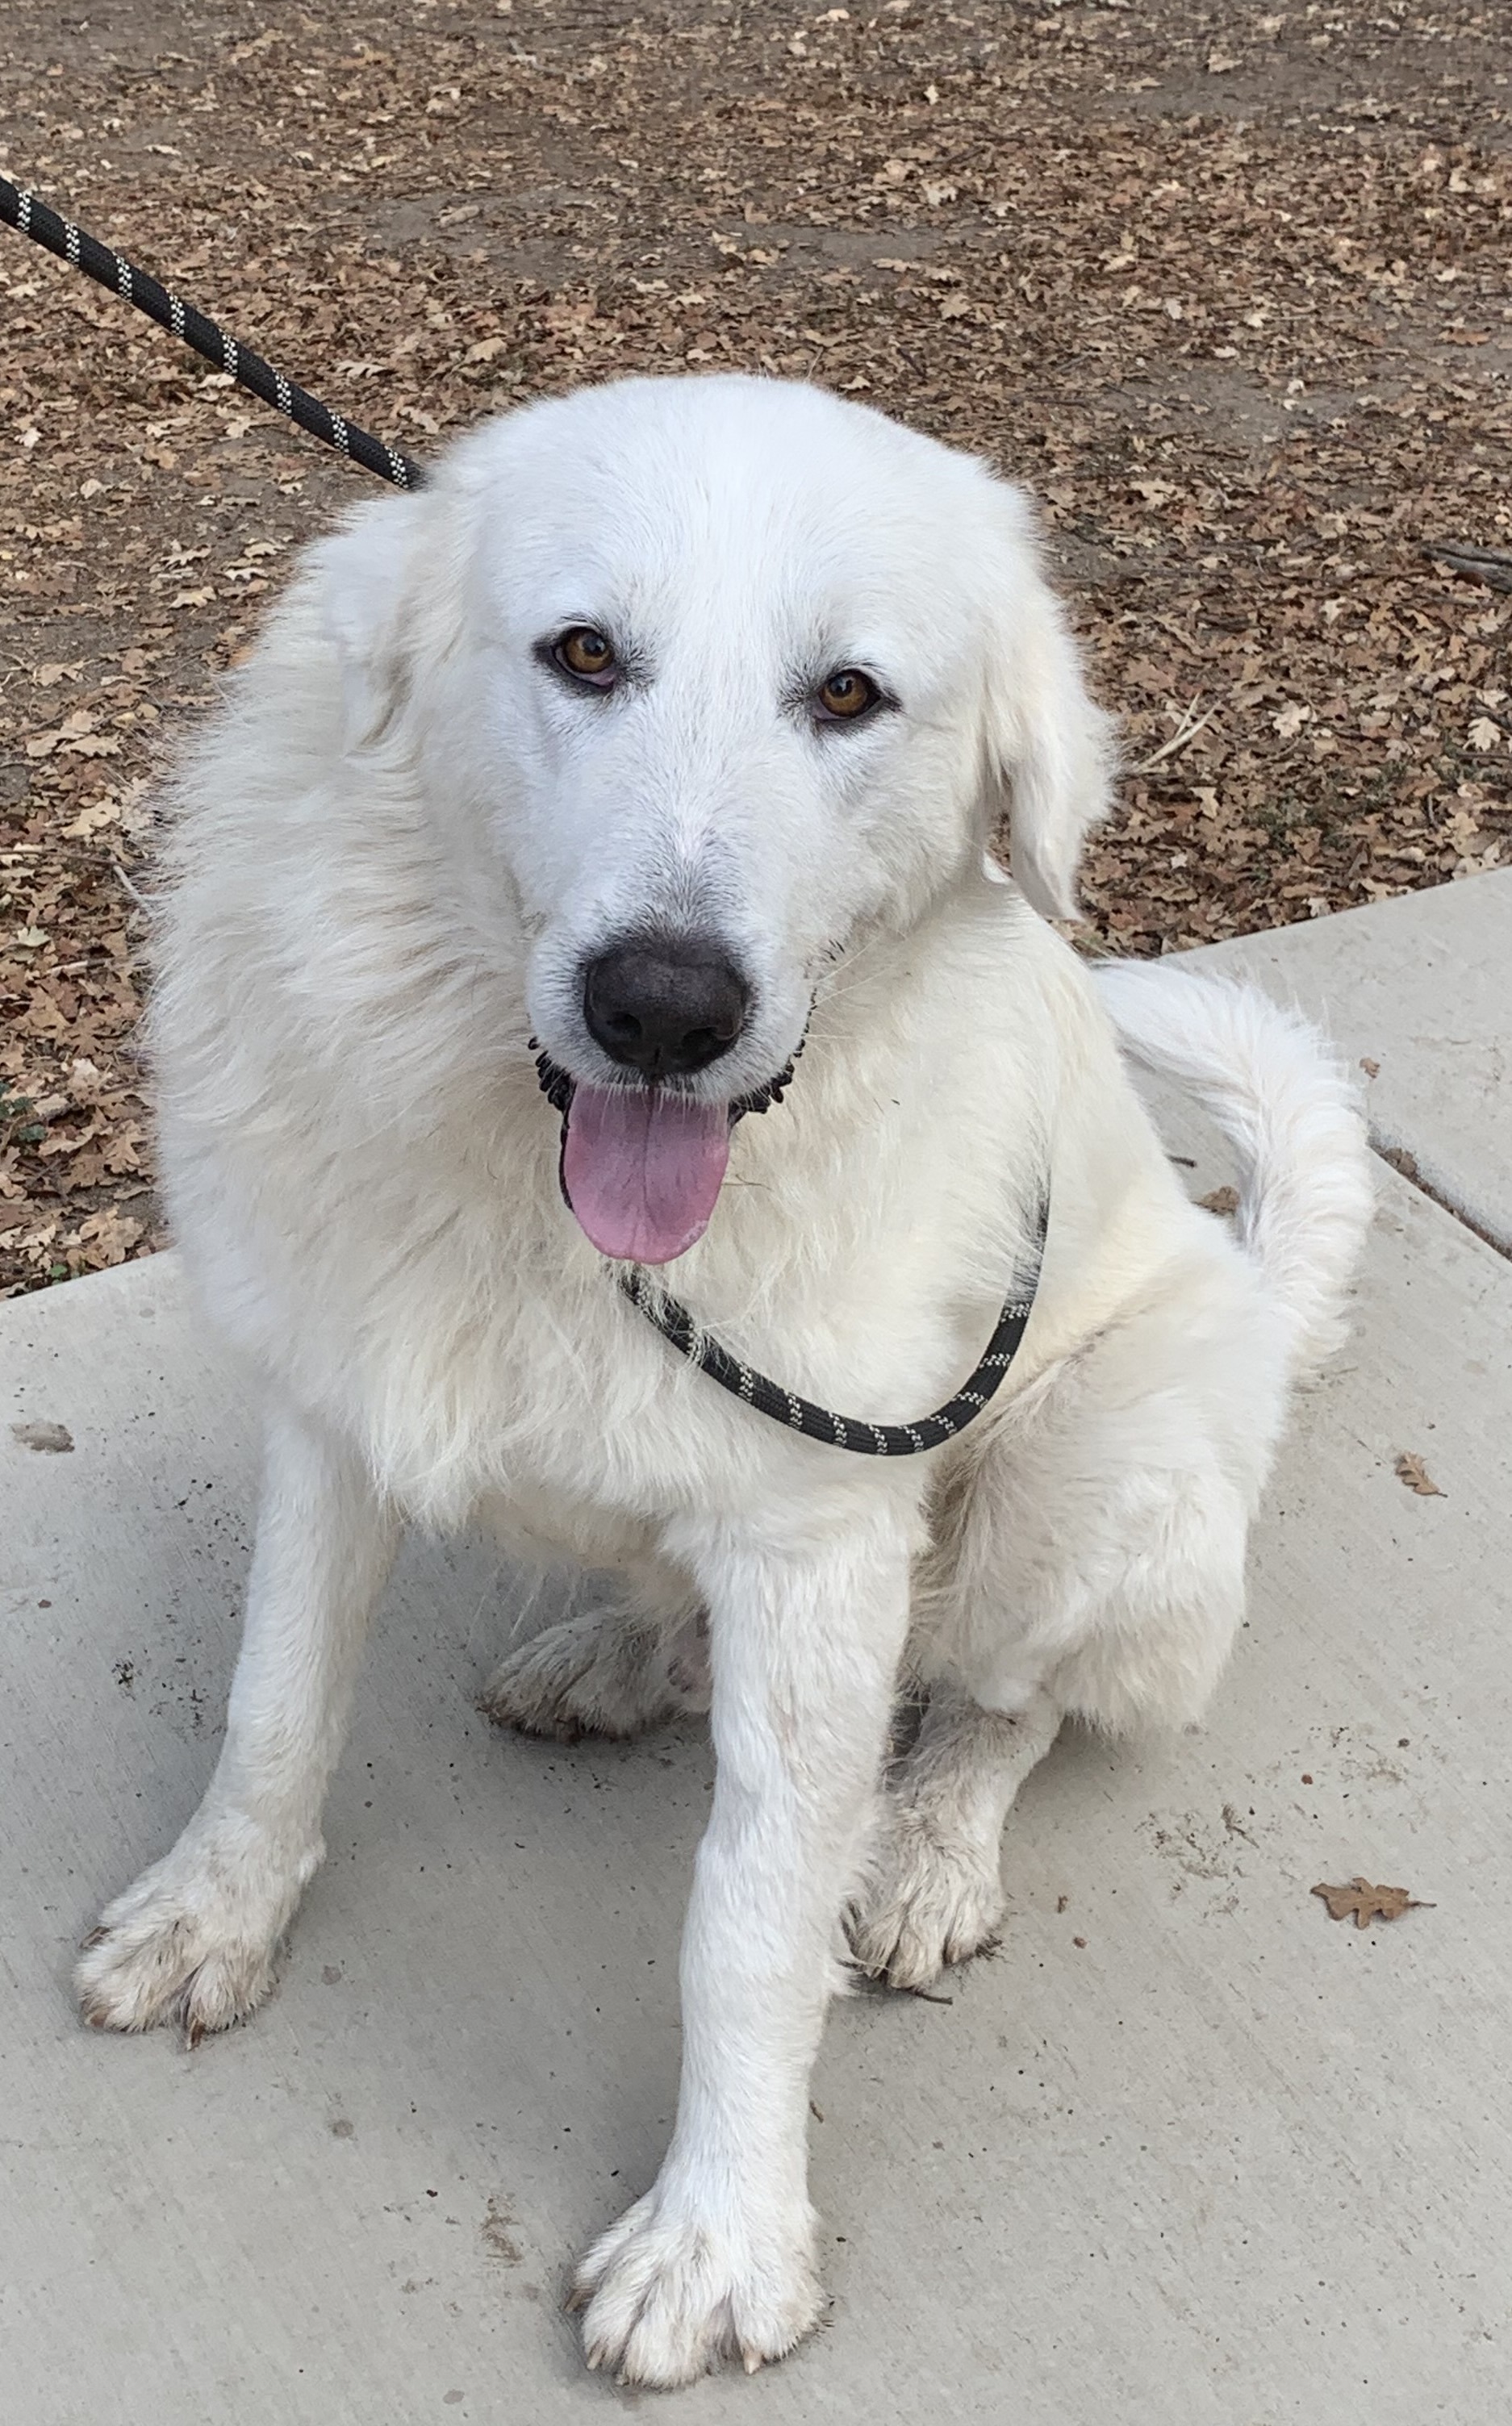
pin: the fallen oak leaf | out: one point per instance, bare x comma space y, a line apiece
1369, 1903
1411, 1470
89, 820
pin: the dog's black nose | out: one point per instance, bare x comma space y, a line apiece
665, 1007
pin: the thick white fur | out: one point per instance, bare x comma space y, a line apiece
396, 843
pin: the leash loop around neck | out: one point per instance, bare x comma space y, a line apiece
853, 1432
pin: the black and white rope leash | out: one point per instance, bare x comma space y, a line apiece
20, 210
800, 1414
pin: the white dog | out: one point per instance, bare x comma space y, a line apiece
660, 737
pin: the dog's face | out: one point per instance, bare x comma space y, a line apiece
723, 676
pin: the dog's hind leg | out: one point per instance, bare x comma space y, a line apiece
1091, 1564
931, 1892
611, 1671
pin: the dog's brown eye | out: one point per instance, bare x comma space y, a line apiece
586, 653
847, 694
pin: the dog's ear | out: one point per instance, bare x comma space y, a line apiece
1050, 750
364, 585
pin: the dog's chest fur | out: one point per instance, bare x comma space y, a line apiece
365, 1185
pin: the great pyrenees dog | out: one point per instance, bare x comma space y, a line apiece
586, 876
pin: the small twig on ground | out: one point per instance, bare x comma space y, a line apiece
1189, 726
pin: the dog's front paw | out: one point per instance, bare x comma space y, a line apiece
669, 2293
194, 1941
929, 1899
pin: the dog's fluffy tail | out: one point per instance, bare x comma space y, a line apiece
1292, 1113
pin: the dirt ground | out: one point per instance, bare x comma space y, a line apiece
1227, 289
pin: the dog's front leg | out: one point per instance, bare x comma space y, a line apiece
806, 1637
194, 1940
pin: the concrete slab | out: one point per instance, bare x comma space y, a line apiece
1187, 2154
1420, 987
1221, 2160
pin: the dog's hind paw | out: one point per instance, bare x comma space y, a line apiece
667, 2296
929, 1899
603, 1673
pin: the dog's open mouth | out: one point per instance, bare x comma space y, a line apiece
641, 1167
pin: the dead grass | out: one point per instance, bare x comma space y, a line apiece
1227, 290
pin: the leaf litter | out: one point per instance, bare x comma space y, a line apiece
1227, 291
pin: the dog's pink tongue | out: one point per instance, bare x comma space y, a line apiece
642, 1168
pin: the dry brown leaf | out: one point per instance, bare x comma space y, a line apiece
1411, 1470
1367, 1903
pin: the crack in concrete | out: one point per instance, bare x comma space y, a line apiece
1404, 1161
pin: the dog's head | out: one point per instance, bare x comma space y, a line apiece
708, 679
